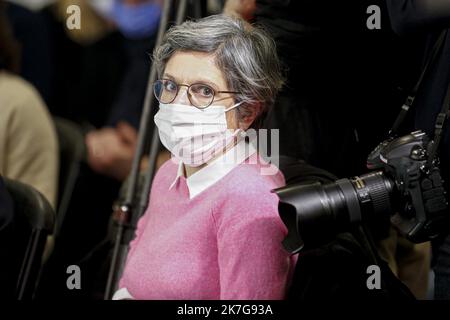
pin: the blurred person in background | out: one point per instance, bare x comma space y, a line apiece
31, 31
28, 143
423, 21
107, 60
103, 72
111, 149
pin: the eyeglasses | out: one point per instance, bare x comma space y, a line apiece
199, 94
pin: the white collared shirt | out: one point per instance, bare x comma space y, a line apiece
122, 294
217, 169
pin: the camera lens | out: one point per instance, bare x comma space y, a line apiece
315, 213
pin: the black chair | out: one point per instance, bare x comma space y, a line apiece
72, 152
34, 220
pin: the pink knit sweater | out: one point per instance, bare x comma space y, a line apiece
224, 243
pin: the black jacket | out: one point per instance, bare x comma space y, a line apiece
427, 18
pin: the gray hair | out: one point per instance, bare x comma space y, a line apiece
245, 54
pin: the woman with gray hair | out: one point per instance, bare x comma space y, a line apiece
212, 229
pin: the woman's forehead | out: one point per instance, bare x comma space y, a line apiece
191, 66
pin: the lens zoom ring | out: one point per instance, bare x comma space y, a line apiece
380, 196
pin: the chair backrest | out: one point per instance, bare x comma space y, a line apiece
72, 152
34, 220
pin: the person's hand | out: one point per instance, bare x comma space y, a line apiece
244, 9
111, 150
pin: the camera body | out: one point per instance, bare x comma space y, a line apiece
405, 187
420, 204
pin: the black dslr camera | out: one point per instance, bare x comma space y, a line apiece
405, 187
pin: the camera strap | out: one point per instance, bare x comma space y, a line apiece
412, 96
439, 126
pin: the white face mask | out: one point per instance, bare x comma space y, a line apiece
194, 135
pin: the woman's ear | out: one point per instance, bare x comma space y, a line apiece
252, 113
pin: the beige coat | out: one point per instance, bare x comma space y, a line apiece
28, 142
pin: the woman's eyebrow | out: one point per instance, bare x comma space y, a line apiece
168, 76
208, 82
198, 80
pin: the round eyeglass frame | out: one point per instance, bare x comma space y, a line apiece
188, 92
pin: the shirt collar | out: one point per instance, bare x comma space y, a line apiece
217, 169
